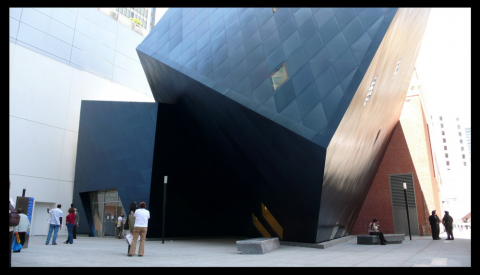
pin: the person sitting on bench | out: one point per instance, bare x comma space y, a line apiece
373, 230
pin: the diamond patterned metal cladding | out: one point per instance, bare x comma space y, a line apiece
233, 51
115, 149
213, 65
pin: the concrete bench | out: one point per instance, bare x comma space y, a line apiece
258, 245
374, 239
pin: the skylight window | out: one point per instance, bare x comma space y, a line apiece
279, 76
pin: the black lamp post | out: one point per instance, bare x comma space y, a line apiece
406, 205
164, 205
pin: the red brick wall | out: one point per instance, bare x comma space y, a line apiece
408, 151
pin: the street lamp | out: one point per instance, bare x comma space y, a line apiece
164, 205
406, 205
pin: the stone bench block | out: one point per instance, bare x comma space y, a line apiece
374, 239
258, 245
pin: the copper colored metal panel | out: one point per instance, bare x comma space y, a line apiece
357, 147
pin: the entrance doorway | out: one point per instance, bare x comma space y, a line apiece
106, 208
400, 222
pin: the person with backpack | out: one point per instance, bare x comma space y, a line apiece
373, 230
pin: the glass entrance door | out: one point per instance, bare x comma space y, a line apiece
106, 207
110, 218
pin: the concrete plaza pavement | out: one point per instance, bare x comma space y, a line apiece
109, 252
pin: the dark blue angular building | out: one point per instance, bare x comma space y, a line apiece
267, 121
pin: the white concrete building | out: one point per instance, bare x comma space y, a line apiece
57, 58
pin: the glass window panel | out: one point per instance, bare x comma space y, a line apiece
100, 196
111, 195
110, 218
279, 77
97, 210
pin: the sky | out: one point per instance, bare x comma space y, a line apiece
444, 63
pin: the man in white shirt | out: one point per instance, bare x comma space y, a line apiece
142, 216
55, 221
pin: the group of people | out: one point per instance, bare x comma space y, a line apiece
22, 228
55, 223
137, 223
435, 221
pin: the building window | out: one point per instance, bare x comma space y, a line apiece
441, 118
461, 141
446, 155
463, 156
457, 119
441, 125
448, 163
370, 91
444, 140
275, 10
458, 126
279, 76
462, 148
444, 147
396, 69
464, 163
459, 134
443, 133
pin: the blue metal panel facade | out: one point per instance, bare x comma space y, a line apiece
235, 50
115, 150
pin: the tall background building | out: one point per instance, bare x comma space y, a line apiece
451, 141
